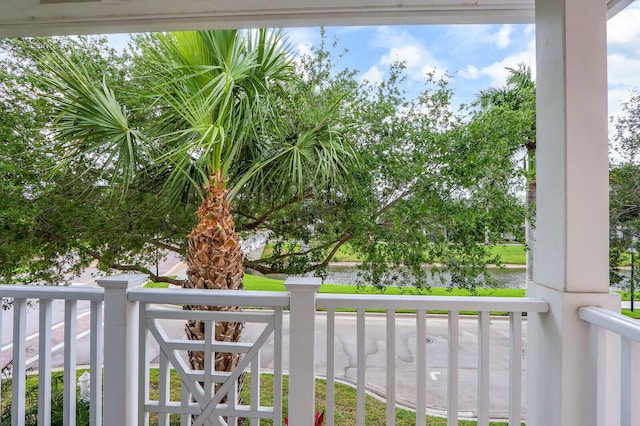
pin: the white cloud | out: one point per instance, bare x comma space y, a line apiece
498, 70
387, 37
623, 70
623, 73
529, 30
404, 47
302, 39
616, 98
471, 73
373, 76
624, 28
502, 38
119, 41
485, 37
438, 73
623, 59
415, 56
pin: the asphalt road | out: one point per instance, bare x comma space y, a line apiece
87, 278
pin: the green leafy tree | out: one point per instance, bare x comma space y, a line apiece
419, 194
56, 224
624, 187
210, 107
511, 112
20, 173
418, 202
624, 216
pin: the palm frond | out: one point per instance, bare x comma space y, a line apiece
316, 159
213, 81
90, 124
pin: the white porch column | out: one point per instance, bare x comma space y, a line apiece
571, 259
120, 395
302, 349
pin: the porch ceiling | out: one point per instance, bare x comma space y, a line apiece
56, 17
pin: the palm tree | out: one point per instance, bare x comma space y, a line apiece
212, 123
517, 100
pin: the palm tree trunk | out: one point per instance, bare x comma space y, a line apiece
214, 261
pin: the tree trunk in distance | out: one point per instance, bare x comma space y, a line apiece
530, 228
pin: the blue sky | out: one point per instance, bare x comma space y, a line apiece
474, 55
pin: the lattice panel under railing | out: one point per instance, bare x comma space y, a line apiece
206, 397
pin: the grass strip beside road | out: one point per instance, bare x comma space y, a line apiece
345, 401
258, 283
515, 254
253, 282
635, 314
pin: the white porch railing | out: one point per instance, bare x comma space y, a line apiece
135, 318
626, 332
42, 338
515, 307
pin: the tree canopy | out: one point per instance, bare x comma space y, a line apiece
624, 185
431, 184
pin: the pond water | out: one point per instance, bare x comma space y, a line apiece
625, 283
507, 278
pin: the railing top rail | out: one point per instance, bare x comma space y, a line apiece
52, 292
447, 303
611, 321
209, 297
281, 299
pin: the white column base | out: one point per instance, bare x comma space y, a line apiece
558, 364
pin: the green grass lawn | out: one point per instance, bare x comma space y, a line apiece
625, 260
344, 254
345, 403
635, 314
253, 282
258, 283
511, 254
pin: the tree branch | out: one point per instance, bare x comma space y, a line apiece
264, 269
262, 219
399, 198
144, 270
301, 253
345, 237
139, 268
160, 244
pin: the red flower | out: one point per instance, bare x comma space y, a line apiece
319, 419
